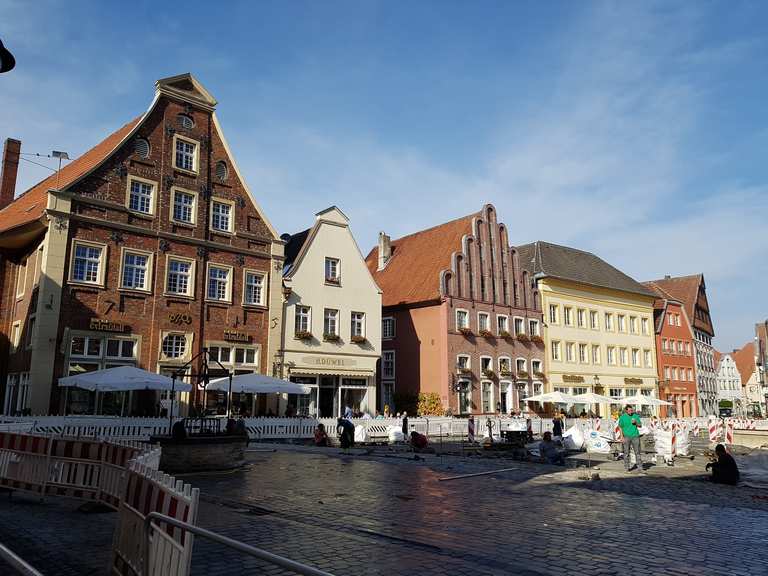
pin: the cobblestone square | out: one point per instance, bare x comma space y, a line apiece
388, 514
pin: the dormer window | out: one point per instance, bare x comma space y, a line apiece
332, 270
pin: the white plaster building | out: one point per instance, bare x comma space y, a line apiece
729, 383
332, 331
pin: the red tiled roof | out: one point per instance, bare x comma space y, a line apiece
745, 361
413, 272
684, 289
30, 205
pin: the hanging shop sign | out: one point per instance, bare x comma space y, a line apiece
571, 378
328, 361
633, 380
102, 325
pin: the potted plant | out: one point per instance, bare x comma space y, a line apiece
522, 375
538, 340
358, 339
331, 337
464, 370
504, 334
539, 375
505, 372
333, 280
486, 333
489, 373
303, 335
522, 337
466, 331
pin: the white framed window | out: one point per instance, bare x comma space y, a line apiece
536, 367
581, 318
174, 346
554, 314
690, 374
623, 357
483, 321
621, 322
185, 153
222, 215
609, 321
141, 195
87, 264
253, 287
635, 357
502, 324
184, 206
87, 346
583, 354
486, 364
648, 357
332, 270
519, 325
533, 328
505, 366
594, 320
15, 336
556, 350
219, 285
675, 373
677, 319
387, 328
330, 322
180, 276
462, 319
671, 319
595, 354
31, 326
21, 278
136, 270
664, 344
463, 362
487, 396
357, 328
645, 326
570, 352
521, 365
388, 364
610, 355
567, 315
121, 349
633, 325
302, 320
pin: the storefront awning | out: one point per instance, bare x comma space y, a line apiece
332, 372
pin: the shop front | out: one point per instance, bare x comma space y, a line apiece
336, 383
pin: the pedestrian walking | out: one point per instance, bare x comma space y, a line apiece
405, 425
629, 422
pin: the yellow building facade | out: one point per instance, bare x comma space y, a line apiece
598, 326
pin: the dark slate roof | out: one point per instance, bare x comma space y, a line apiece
293, 245
543, 259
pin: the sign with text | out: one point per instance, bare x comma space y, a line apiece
329, 361
235, 336
102, 325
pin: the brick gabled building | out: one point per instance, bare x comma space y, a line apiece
141, 251
691, 291
675, 355
460, 317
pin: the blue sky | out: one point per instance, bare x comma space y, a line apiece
635, 130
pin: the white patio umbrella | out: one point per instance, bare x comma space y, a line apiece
122, 379
554, 397
592, 398
640, 400
258, 384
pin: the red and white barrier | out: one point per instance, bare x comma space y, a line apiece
714, 430
729, 433
617, 433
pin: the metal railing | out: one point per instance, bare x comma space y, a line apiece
17, 563
296, 567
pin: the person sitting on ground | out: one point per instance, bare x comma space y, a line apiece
549, 451
321, 436
346, 432
724, 471
420, 443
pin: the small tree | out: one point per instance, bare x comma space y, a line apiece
430, 405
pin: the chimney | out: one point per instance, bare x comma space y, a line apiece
385, 250
10, 168
667, 277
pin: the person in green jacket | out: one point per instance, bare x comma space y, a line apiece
629, 422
